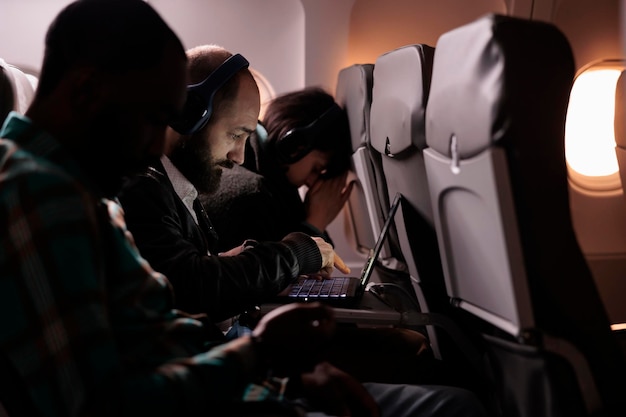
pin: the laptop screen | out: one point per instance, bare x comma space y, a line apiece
375, 252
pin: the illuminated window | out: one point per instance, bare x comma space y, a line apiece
589, 128
265, 90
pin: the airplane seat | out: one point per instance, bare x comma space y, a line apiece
366, 210
17, 89
399, 99
495, 161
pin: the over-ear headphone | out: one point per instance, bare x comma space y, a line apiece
299, 141
199, 104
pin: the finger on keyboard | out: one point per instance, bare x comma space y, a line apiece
340, 264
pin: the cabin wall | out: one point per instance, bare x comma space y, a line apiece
23, 29
269, 33
293, 43
375, 27
245, 26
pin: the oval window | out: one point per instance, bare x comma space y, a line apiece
589, 128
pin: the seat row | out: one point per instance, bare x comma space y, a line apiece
471, 134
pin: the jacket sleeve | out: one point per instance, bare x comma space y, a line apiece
220, 286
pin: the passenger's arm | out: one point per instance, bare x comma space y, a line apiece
55, 323
335, 392
219, 286
325, 199
88, 326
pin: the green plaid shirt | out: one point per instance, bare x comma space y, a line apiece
85, 320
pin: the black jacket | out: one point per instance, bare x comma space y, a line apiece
173, 244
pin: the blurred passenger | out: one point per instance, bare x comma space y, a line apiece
304, 140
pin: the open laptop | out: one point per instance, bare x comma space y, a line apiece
339, 291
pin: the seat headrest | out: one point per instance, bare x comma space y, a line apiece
496, 79
399, 96
23, 86
354, 94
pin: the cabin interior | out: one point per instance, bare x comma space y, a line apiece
292, 44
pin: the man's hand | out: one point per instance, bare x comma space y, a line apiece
328, 255
341, 265
293, 338
233, 252
325, 199
336, 393
329, 258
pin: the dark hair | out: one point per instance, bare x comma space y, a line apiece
300, 108
115, 36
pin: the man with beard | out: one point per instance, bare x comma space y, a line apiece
167, 221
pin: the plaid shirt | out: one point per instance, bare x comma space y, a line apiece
85, 320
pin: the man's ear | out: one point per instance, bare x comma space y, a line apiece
172, 140
86, 90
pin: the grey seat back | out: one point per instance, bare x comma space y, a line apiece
365, 211
397, 118
400, 93
496, 168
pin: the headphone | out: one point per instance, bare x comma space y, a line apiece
199, 104
299, 141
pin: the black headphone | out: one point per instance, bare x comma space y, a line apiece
199, 104
299, 141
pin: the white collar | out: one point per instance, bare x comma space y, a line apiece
184, 189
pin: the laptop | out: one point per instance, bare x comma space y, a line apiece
339, 291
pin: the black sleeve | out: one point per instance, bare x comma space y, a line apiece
217, 285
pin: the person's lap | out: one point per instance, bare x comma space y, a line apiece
397, 400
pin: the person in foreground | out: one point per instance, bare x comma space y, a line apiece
169, 225
89, 327
304, 140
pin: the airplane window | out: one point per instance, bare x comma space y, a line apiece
589, 128
265, 89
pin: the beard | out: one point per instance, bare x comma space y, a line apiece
193, 158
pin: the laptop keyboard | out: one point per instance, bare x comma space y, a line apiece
312, 287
